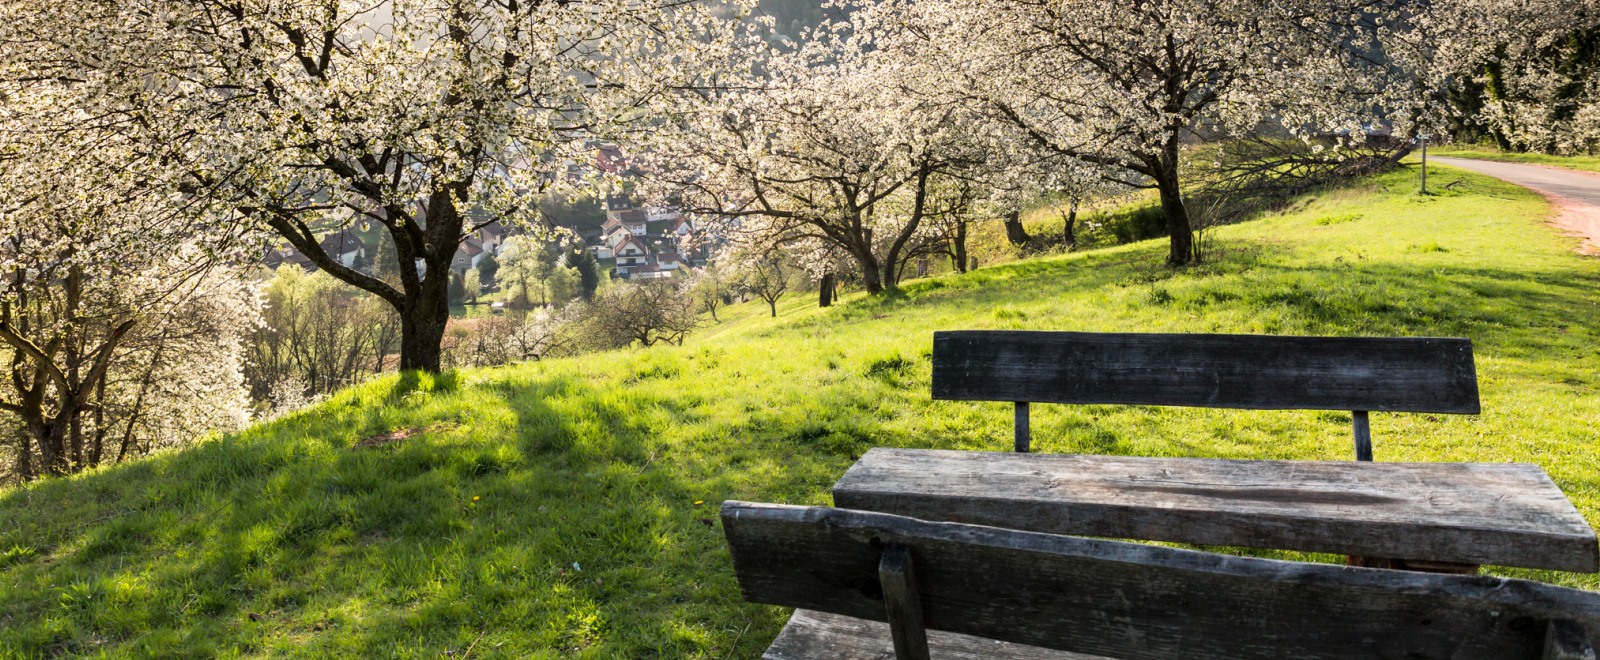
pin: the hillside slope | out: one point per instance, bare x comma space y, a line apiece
1589, 163
567, 508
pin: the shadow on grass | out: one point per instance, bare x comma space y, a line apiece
1533, 326
1493, 306
539, 511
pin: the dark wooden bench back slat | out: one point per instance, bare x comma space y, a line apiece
1215, 371
1135, 601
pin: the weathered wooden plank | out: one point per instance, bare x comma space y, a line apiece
813, 635
1385, 374
898, 578
1136, 601
821, 636
1508, 514
1566, 640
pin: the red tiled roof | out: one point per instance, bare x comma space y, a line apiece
633, 240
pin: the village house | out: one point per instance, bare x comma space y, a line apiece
630, 253
608, 158
345, 247
468, 255
492, 235
668, 261
644, 243
633, 220
654, 252
484, 241
273, 259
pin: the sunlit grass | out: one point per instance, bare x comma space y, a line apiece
1590, 163
567, 508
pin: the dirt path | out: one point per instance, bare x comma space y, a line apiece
1575, 195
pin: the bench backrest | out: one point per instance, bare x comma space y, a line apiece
1135, 601
1360, 374
1395, 374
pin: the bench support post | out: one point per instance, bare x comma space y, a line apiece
1565, 639
1363, 433
1023, 436
1361, 424
902, 604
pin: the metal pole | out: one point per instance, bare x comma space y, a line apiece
1424, 163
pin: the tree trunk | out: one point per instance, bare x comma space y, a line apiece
24, 458
75, 440
1069, 224
43, 434
958, 247
1014, 230
773, 305
59, 434
57, 461
1495, 87
53, 434
872, 278
425, 309
871, 275
893, 267
1172, 207
825, 291
422, 325
97, 448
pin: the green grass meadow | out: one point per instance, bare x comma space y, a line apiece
568, 508
1587, 163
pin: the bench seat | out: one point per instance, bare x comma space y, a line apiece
812, 635
1506, 514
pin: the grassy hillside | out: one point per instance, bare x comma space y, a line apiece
1589, 163
567, 508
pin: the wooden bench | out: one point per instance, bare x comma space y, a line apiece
1359, 374
951, 590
